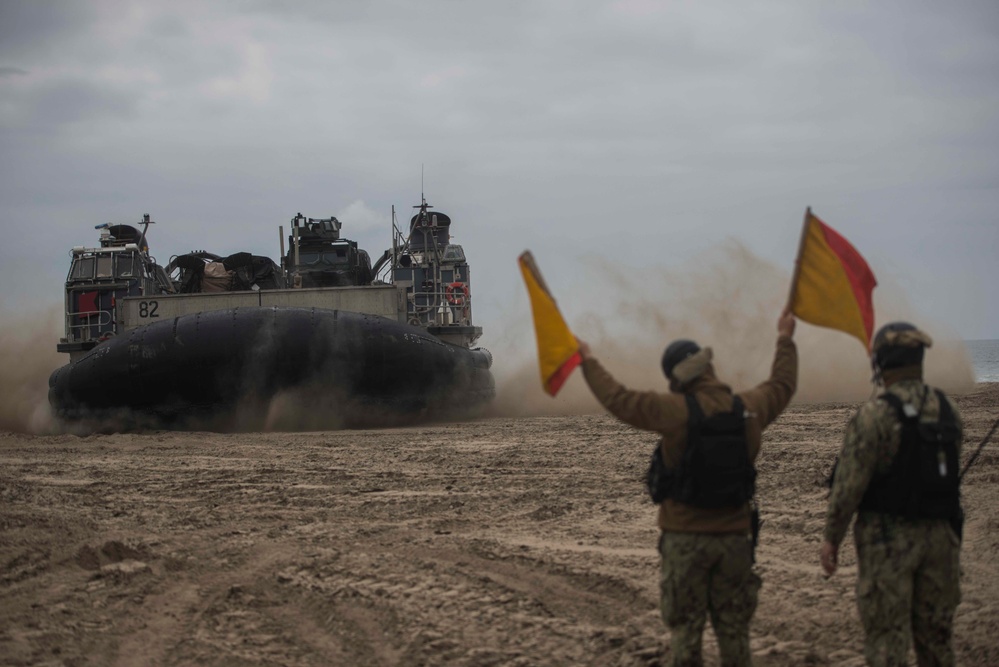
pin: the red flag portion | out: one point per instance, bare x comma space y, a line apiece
558, 352
86, 305
832, 284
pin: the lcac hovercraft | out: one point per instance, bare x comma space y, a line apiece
323, 340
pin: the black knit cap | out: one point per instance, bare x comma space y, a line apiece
888, 356
676, 352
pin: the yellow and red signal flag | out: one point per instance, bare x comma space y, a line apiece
832, 285
558, 351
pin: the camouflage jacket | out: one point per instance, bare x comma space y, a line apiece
666, 413
870, 443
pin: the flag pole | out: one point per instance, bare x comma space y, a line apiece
797, 260
528, 259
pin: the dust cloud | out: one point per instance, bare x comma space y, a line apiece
727, 298
27, 358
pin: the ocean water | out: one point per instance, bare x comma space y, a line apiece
985, 359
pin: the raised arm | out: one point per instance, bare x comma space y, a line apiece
770, 397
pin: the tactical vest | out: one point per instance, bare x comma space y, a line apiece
923, 480
715, 470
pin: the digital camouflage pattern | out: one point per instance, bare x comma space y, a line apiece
707, 553
869, 445
908, 583
908, 588
707, 575
889, 337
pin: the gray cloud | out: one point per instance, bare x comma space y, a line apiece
29, 30
645, 132
62, 105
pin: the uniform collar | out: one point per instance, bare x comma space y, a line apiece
707, 381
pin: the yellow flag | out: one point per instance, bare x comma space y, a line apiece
833, 285
558, 352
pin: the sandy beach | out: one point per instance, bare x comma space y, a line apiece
505, 541
269, 257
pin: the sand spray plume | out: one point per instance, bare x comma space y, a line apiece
27, 358
727, 298
947, 364
629, 317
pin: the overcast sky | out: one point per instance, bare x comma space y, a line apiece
636, 132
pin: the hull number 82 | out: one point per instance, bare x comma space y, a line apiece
148, 309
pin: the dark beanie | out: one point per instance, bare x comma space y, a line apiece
676, 352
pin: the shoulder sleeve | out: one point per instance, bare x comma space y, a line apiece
858, 458
769, 398
648, 410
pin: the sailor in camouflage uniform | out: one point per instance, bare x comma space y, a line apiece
909, 517
706, 552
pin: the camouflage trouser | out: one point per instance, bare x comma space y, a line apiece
908, 586
708, 574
